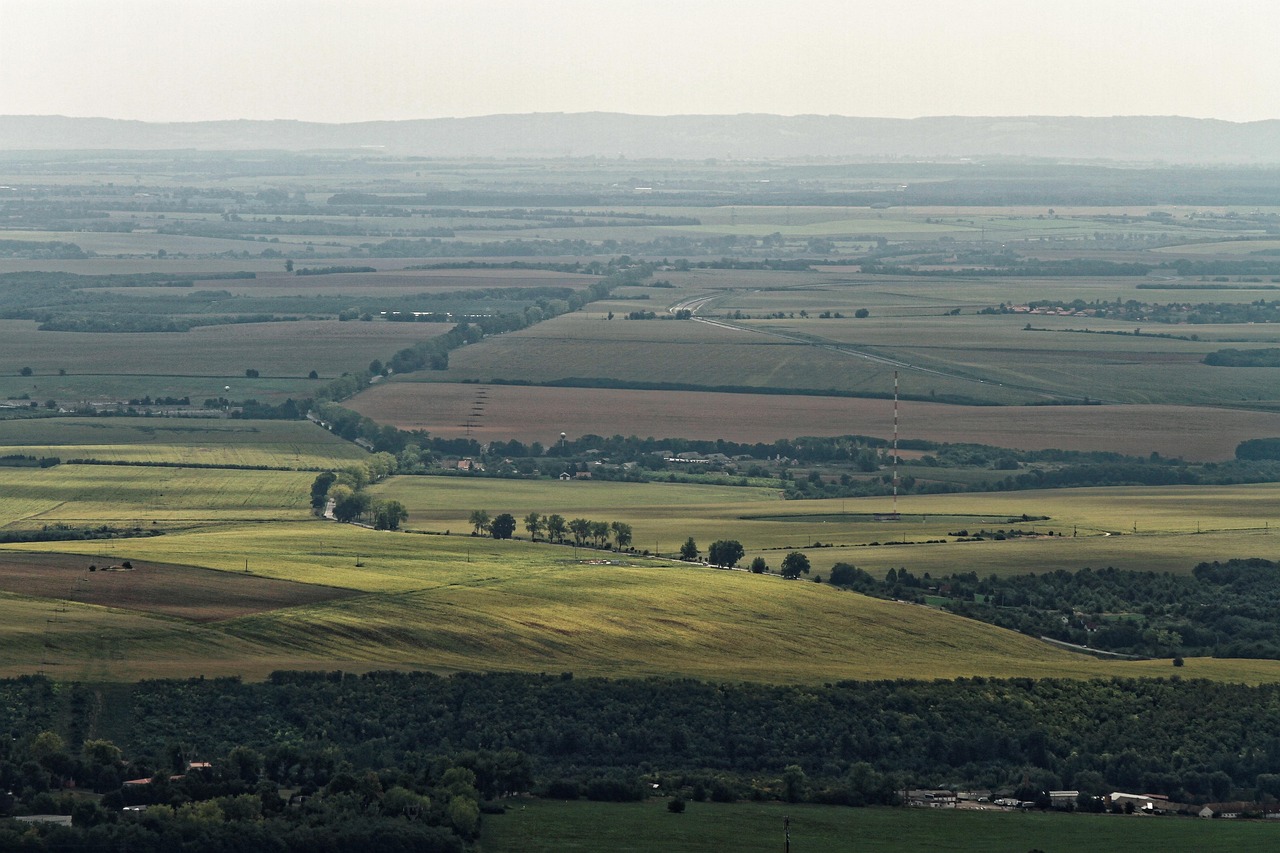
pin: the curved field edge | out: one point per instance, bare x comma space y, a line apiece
457, 603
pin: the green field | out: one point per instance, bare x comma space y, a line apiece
534, 826
1159, 529
193, 441
198, 363
91, 495
455, 602
458, 603
990, 358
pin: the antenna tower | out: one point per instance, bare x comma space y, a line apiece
895, 444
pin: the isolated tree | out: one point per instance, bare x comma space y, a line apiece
862, 313
26, 371
313, 375
389, 515
621, 534
533, 523
251, 373
759, 566
288, 265
794, 565
725, 553
479, 522
689, 550
503, 525
556, 527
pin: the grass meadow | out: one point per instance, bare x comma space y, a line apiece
535, 826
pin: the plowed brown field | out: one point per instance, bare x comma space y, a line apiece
505, 412
186, 592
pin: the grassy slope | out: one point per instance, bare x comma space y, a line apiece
462, 603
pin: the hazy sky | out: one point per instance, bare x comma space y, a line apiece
353, 60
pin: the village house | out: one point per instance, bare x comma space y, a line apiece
1240, 809
1063, 799
1139, 802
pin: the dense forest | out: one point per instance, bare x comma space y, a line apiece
418, 758
1229, 609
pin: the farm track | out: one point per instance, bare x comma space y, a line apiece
694, 304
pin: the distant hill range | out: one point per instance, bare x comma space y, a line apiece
1140, 139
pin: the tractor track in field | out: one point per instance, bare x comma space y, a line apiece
697, 303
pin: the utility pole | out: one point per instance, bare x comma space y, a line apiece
786, 834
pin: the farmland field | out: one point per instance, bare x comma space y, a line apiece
692, 353
274, 444
540, 414
393, 281
1160, 529
458, 603
535, 826
183, 592
451, 602
287, 350
130, 495
291, 445
740, 300
950, 357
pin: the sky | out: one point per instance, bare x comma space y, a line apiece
362, 60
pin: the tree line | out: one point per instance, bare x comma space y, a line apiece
553, 528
